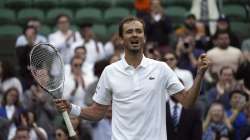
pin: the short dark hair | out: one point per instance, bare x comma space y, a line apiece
80, 47
238, 92
224, 68
219, 32
129, 19
62, 15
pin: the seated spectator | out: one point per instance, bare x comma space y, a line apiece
244, 67
225, 84
222, 54
142, 7
184, 75
23, 57
10, 110
8, 79
158, 27
223, 23
76, 82
82, 131
188, 53
22, 133
61, 133
64, 37
22, 40
216, 126
114, 46
236, 115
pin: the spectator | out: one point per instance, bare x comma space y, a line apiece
142, 7
37, 101
244, 67
82, 131
188, 53
10, 109
206, 11
158, 27
22, 133
114, 46
184, 75
61, 134
23, 57
64, 37
22, 40
236, 116
76, 82
182, 123
223, 54
8, 78
216, 125
245, 130
225, 84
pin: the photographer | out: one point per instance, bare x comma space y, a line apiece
188, 53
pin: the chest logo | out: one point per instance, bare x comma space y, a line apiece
151, 78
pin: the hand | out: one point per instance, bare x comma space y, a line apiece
203, 64
62, 105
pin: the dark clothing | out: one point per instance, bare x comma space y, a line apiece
188, 128
243, 73
158, 31
245, 132
213, 95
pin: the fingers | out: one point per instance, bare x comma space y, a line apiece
62, 105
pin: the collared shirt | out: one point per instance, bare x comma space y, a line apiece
138, 98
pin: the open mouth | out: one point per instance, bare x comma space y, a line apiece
134, 42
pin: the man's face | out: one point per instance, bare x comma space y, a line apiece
227, 75
22, 135
133, 36
237, 99
76, 66
63, 23
80, 53
223, 41
170, 60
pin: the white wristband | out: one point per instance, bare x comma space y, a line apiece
75, 110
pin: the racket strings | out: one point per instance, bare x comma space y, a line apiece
47, 67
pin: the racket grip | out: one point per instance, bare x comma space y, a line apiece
68, 124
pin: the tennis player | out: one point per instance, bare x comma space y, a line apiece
137, 86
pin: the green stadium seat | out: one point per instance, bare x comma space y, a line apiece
45, 30
235, 12
53, 13
183, 3
17, 4
45, 4
10, 30
1, 3
72, 27
7, 16
25, 14
88, 15
125, 3
114, 15
242, 29
100, 32
73, 4
176, 13
112, 29
101, 4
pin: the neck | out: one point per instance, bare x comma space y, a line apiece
134, 59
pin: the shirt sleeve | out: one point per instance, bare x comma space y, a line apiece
103, 90
173, 84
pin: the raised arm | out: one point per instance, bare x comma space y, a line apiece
95, 112
188, 98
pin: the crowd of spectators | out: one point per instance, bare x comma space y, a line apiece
27, 111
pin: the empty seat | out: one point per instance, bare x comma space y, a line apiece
176, 13
10, 30
45, 4
7, 16
242, 29
17, 4
73, 4
100, 31
125, 3
25, 14
114, 15
101, 4
88, 15
45, 30
234, 12
53, 13
112, 29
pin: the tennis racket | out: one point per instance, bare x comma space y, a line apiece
47, 68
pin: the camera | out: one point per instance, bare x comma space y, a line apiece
186, 45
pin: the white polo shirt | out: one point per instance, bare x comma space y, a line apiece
138, 98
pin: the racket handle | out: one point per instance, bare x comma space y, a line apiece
68, 124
